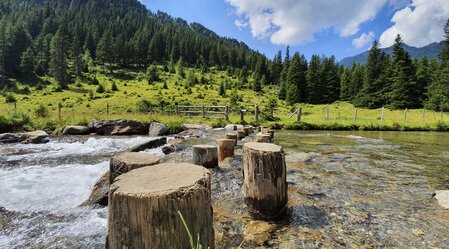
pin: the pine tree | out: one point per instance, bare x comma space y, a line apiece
180, 68
151, 74
58, 63
345, 84
222, 90
27, 62
314, 85
403, 93
423, 79
331, 82
284, 74
444, 54
105, 52
296, 79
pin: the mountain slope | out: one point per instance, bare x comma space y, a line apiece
431, 51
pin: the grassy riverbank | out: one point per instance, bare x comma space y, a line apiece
38, 107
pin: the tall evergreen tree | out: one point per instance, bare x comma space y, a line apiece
58, 63
27, 63
314, 86
284, 74
296, 82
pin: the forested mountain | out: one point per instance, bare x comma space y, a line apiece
61, 36
430, 51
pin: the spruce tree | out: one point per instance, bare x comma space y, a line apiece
27, 63
296, 79
284, 74
314, 86
403, 94
444, 54
345, 84
58, 63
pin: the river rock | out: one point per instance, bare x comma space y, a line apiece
99, 194
258, 232
196, 127
149, 144
34, 137
442, 196
118, 127
157, 129
195, 133
76, 130
168, 149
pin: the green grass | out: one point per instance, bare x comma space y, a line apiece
79, 108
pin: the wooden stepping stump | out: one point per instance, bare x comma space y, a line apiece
128, 161
268, 131
205, 155
263, 138
144, 205
247, 131
225, 148
232, 135
265, 181
241, 134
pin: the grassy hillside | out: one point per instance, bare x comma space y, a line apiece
82, 103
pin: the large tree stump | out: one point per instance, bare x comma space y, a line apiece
263, 138
232, 135
265, 183
241, 134
128, 161
144, 205
205, 155
225, 148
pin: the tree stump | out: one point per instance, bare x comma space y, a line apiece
232, 135
265, 182
247, 131
241, 134
205, 155
225, 148
128, 161
263, 138
144, 205
268, 131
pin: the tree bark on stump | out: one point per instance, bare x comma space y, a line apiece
265, 181
128, 161
232, 136
268, 131
225, 148
263, 138
144, 205
247, 131
205, 155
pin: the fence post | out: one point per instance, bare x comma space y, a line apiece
59, 111
327, 113
424, 116
256, 113
298, 117
150, 108
405, 115
355, 114
204, 111
107, 109
441, 117
226, 112
15, 108
242, 115
382, 114
177, 109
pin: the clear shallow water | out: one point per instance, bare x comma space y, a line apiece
346, 190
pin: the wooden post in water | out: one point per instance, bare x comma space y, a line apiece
355, 114
205, 155
128, 161
405, 116
144, 207
298, 117
225, 148
382, 114
232, 135
263, 138
265, 183
256, 113
241, 134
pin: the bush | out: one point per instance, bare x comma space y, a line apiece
143, 106
13, 123
100, 89
10, 99
41, 111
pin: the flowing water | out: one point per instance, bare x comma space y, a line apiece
346, 190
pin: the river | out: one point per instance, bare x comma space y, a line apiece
346, 189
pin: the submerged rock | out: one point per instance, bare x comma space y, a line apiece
258, 232
34, 137
442, 196
168, 149
157, 129
118, 127
76, 130
99, 194
149, 144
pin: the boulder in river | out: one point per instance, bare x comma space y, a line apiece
168, 149
76, 130
150, 143
118, 127
99, 194
157, 129
442, 196
34, 137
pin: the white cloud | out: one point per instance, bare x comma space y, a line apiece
419, 24
240, 24
296, 22
363, 40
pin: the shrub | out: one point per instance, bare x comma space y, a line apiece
143, 106
100, 89
41, 111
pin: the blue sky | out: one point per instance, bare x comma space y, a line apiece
330, 27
